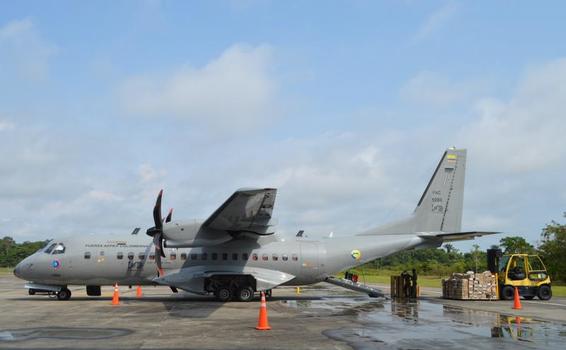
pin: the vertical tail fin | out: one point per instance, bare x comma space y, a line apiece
440, 206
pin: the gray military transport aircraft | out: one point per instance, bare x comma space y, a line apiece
235, 253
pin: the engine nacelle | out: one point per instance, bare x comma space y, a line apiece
191, 234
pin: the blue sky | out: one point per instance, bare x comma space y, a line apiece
344, 106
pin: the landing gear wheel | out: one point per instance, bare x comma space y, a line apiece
224, 294
245, 294
529, 297
64, 294
507, 293
544, 292
268, 293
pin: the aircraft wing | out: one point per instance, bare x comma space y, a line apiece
455, 236
192, 278
247, 210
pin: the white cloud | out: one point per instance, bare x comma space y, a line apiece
233, 90
101, 195
147, 173
6, 125
23, 48
438, 19
526, 132
435, 90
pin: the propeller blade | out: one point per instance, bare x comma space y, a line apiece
157, 242
157, 212
169, 216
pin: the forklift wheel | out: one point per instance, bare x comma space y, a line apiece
507, 293
544, 292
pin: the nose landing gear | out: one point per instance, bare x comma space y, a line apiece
64, 294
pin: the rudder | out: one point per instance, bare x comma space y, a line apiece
440, 206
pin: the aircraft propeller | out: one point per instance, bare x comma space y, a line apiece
169, 216
157, 231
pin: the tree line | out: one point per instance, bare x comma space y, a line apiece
11, 253
444, 261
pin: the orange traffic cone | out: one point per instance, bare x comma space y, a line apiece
116, 295
139, 293
517, 300
262, 323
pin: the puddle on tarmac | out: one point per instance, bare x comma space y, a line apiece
79, 333
388, 324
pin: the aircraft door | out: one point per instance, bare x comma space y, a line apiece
311, 263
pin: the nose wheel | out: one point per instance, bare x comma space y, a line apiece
64, 294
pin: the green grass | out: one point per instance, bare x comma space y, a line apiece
6, 270
559, 291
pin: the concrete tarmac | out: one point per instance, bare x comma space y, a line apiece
321, 317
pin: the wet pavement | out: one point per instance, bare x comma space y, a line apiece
321, 317
422, 324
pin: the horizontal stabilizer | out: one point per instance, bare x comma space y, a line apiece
455, 236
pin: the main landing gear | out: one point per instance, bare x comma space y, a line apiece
228, 287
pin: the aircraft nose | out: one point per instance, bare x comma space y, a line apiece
24, 268
17, 270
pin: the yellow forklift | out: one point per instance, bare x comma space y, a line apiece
524, 271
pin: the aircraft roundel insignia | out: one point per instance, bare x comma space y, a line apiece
356, 254
55, 264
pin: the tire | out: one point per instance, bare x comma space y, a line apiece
245, 294
529, 297
31, 291
507, 292
544, 292
64, 294
224, 294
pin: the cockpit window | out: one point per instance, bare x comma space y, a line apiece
59, 248
44, 245
50, 248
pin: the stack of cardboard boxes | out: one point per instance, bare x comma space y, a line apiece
470, 286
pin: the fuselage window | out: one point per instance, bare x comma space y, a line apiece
130, 256
295, 257
120, 255
275, 257
204, 256
194, 256
234, 256
254, 256
151, 256
183, 256
141, 256
245, 256
284, 257
50, 249
214, 256
173, 256
87, 255
101, 253
59, 249
265, 257
224, 256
